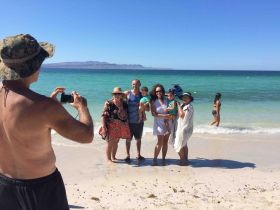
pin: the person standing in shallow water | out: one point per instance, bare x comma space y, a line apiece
29, 178
216, 109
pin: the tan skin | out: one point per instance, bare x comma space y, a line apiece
162, 143
26, 120
217, 108
183, 153
112, 144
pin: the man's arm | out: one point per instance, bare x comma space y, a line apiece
60, 120
126, 93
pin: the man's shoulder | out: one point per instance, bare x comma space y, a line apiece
47, 104
126, 93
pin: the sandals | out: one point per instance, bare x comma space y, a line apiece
127, 159
140, 158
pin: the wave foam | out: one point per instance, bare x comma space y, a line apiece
206, 129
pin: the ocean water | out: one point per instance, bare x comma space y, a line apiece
250, 99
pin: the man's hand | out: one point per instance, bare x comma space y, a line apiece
155, 114
57, 91
79, 101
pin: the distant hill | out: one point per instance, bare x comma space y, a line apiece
95, 65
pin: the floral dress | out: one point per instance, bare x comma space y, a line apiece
116, 121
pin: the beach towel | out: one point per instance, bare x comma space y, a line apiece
184, 128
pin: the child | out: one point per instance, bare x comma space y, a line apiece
172, 109
144, 101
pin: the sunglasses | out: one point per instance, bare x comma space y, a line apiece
117, 94
158, 91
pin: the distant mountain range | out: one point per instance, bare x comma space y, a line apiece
96, 65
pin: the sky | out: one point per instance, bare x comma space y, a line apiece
178, 34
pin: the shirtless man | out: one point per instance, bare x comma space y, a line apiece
29, 178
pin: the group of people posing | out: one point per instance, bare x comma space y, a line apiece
29, 178
124, 115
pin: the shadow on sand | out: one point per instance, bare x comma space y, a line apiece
219, 163
197, 163
75, 207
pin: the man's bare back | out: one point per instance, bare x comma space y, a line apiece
25, 143
29, 178
25, 140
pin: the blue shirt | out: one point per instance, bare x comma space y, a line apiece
133, 107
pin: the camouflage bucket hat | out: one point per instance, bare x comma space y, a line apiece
21, 56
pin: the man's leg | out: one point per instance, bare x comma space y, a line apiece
127, 144
138, 137
138, 145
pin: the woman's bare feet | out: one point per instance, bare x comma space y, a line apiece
114, 159
110, 161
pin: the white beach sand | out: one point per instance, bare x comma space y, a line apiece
225, 172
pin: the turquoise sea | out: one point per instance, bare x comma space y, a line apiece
250, 99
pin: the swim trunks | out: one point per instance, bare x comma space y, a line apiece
45, 193
136, 130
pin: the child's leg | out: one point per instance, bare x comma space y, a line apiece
166, 122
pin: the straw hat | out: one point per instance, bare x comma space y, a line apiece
21, 56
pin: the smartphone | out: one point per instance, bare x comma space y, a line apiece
66, 98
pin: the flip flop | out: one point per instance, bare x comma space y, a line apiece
140, 158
